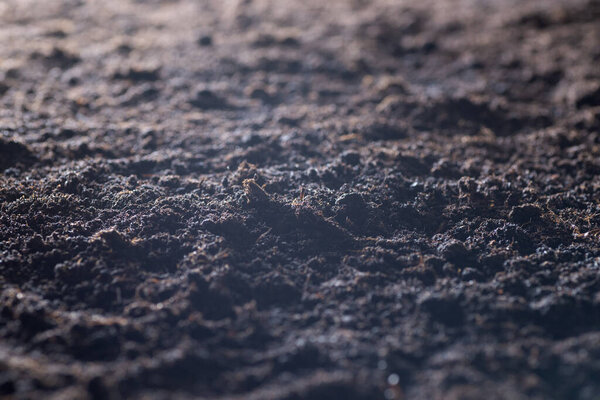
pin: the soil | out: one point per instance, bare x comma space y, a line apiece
266, 199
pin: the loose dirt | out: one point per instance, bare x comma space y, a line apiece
263, 199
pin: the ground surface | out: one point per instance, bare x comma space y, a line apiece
300, 200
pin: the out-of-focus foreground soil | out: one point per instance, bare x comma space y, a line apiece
300, 199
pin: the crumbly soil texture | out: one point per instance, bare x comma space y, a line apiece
271, 199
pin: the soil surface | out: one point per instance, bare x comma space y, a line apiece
267, 199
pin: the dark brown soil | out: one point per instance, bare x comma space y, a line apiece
267, 199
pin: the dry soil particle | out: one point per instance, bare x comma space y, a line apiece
299, 200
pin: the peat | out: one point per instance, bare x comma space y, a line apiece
300, 200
